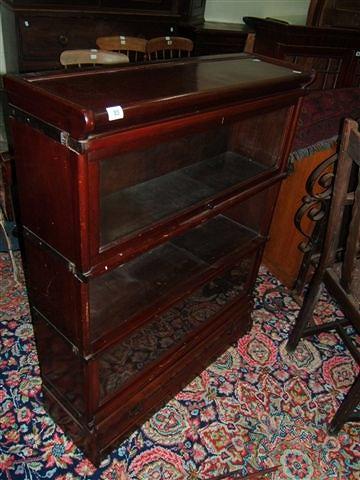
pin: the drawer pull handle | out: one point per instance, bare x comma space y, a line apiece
63, 40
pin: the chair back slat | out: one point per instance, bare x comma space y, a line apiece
134, 47
339, 196
168, 47
352, 244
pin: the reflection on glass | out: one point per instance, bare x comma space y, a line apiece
143, 187
155, 339
114, 296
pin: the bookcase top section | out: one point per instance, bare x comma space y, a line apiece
87, 102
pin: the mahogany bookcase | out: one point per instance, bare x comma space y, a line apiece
146, 194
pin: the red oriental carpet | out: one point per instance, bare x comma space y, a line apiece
254, 408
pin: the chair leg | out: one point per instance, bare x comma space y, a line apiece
347, 407
306, 311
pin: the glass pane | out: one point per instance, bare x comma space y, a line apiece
150, 343
143, 187
150, 278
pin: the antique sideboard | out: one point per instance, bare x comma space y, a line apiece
144, 216
44, 28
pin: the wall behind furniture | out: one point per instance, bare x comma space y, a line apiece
294, 11
8, 60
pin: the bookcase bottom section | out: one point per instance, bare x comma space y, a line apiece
130, 409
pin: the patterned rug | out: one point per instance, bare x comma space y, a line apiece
255, 407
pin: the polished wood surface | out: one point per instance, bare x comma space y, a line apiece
209, 82
140, 269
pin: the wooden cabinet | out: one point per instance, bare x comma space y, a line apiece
212, 38
144, 213
46, 28
333, 53
334, 13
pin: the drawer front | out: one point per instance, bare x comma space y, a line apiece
45, 36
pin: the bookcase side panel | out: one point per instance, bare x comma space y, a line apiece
46, 173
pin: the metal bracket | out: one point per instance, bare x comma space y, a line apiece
76, 146
72, 269
82, 277
73, 145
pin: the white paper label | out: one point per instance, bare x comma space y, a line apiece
93, 56
167, 38
115, 113
122, 41
93, 50
122, 37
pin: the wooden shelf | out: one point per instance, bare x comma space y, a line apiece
171, 330
163, 275
132, 209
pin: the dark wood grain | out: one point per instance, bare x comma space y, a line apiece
46, 28
187, 84
143, 241
331, 52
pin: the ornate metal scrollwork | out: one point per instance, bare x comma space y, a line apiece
314, 207
314, 204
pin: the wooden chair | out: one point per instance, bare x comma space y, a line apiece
133, 47
161, 48
339, 272
91, 57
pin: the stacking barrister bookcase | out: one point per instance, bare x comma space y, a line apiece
145, 194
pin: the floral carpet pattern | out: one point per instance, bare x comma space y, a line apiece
256, 407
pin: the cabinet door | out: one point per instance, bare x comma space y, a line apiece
146, 188
165, 274
172, 330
